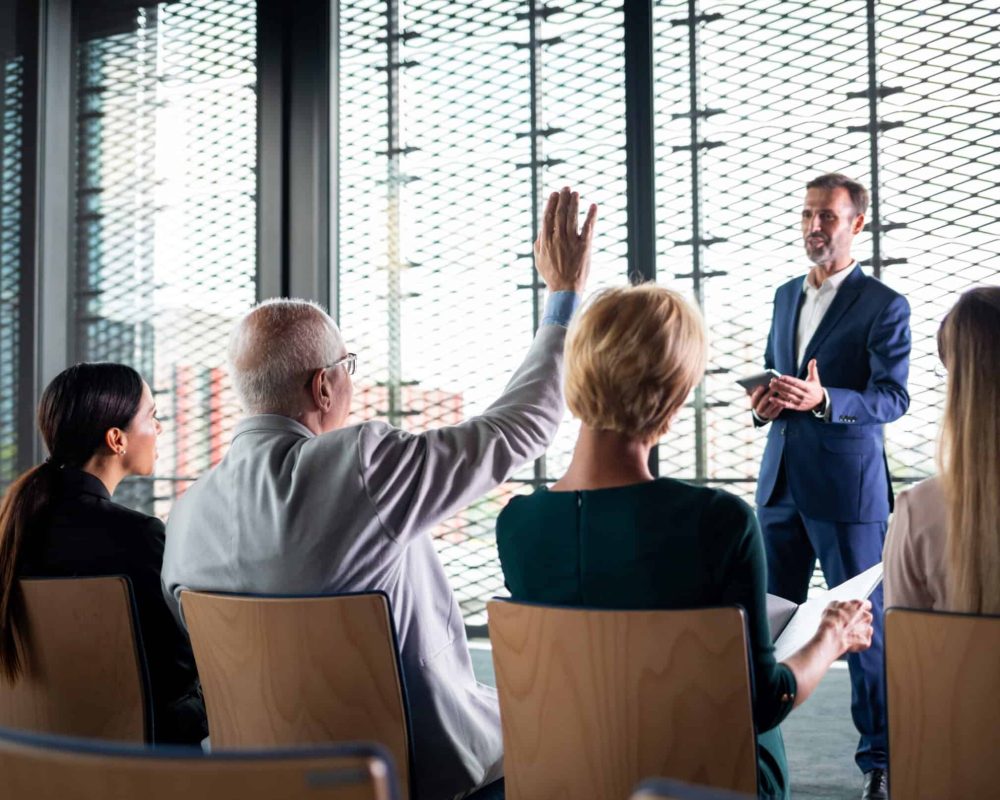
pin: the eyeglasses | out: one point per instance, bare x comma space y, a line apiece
350, 362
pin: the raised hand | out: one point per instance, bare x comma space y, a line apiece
562, 253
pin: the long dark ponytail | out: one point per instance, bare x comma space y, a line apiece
76, 410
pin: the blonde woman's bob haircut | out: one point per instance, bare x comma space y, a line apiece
632, 357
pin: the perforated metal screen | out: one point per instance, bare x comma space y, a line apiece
166, 214
11, 222
785, 90
455, 117
443, 159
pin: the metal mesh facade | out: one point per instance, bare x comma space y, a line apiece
11, 225
166, 215
785, 90
444, 158
455, 118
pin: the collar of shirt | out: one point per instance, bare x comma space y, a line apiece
271, 423
833, 282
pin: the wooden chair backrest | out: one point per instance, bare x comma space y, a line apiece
290, 671
943, 675
33, 771
591, 702
84, 674
666, 789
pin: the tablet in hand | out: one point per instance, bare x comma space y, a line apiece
760, 379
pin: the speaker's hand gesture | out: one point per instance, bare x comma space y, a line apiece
799, 395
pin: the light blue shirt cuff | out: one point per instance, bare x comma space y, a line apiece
559, 308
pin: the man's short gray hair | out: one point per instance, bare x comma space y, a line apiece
274, 349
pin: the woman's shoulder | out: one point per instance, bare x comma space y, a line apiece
922, 508
119, 519
927, 493
712, 503
137, 518
717, 505
523, 507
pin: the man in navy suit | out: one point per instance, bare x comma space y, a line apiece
824, 489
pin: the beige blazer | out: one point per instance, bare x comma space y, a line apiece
914, 555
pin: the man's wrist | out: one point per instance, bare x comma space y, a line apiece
559, 307
822, 409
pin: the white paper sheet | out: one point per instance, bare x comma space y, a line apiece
804, 622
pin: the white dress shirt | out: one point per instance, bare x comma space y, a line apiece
814, 307
816, 303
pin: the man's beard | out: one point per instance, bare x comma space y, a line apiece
818, 251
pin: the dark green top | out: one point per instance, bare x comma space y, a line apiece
659, 544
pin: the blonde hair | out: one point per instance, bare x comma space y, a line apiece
632, 357
969, 345
274, 348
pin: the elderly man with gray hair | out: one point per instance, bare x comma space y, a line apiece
304, 503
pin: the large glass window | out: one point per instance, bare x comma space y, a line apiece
456, 117
16, 26
771, 109
782, 92
166, 213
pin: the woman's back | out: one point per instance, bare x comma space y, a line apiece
658, 544
915, 554
82, 533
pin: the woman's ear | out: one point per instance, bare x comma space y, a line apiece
116, 440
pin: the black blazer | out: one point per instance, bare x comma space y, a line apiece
83, 533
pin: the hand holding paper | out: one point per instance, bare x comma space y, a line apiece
850, 621
793, 626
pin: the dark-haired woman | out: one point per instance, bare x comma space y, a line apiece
99, 425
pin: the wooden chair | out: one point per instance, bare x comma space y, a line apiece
287, 671
592, 702
85, 675
55, 768
943, 676
666, 789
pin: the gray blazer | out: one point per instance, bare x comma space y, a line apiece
288, 512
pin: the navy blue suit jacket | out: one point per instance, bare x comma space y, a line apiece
837, 470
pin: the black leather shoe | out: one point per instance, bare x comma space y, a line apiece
876, 785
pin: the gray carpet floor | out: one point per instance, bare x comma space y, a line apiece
819, 736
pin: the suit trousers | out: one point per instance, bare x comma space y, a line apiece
793, 542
